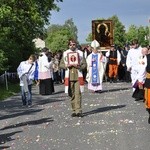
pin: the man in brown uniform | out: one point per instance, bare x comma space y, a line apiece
74, 63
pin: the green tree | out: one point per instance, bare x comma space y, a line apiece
131, 33
89, 37
119, 31
140, 33
147, 36
58, 35
58, 40
20, 22
142, 36
3, 60
69, 25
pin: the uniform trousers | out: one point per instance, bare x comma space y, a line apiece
75, 94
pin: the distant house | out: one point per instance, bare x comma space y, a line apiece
39, 43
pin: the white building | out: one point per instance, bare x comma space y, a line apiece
39, 43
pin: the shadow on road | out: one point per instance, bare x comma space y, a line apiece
33, 122
46, 101
4, 147
110, 90
6, 138
58, 92
26, 112
103, 109
13, 107
114, 90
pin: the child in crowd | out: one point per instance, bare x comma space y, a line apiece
26, 71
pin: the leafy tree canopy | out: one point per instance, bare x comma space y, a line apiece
20, 22
141, 33
119, 31
58, 35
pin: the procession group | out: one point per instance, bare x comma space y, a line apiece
76, 66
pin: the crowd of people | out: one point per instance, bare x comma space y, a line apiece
90, 64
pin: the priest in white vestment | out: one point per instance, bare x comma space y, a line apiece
95, 68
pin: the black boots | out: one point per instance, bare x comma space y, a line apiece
73, 115
112, 80
77, 115
149, 120
148, 110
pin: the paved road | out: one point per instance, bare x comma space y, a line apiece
112, 121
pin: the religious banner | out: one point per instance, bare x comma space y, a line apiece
102, 31
73, 58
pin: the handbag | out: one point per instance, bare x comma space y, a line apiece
25, 80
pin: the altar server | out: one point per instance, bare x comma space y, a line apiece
45, 77
132, 60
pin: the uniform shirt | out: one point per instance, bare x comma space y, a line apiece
73, 72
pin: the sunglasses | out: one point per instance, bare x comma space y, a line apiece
72, 44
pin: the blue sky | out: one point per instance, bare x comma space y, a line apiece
82, 12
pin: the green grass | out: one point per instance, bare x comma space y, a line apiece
13, 88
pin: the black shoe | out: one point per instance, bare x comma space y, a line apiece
23, 106
138, 99
115, 81
149, 120
111, 81
79, 115
99, 91
29, 103
73, 115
